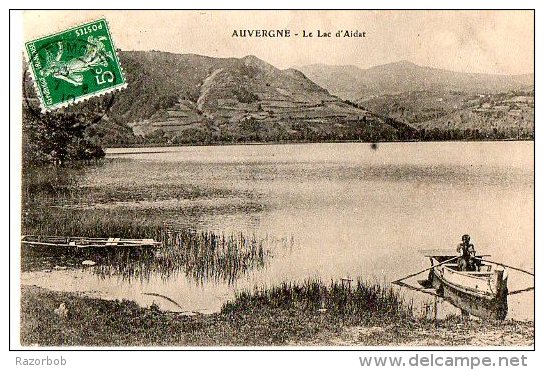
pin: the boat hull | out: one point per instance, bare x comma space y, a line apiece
482, 295
83, 242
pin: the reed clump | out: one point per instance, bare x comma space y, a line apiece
202, 256
363, 300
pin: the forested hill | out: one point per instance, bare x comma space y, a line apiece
186, 98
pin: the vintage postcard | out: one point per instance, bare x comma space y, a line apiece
277, 178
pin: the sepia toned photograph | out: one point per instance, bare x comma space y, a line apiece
277, 178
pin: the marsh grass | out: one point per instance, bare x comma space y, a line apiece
42, 185
91, 223
200, 255
362, 301
68, 186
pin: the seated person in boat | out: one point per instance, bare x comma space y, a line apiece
467, 261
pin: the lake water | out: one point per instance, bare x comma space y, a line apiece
346, 210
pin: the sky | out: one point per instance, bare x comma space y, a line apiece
467, 41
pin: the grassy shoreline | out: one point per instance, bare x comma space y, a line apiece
244, 143
96, 322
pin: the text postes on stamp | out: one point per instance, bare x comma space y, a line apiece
74, 65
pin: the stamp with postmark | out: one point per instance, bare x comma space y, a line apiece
74, 65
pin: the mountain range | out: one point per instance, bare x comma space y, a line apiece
440, 104
194, 99
357, 84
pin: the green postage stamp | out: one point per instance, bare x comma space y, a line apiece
75, 64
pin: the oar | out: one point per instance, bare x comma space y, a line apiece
427, 269
513, 268
403, 284
510, 267
521, 290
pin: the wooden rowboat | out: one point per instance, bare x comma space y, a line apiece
480, 293
83, 242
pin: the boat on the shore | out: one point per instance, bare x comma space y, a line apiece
84, 242
482, 293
